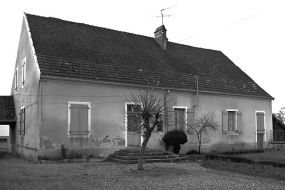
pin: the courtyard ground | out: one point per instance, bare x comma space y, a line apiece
17, 173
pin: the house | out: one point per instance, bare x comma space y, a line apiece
71, 82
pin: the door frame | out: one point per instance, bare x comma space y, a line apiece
264, 134
126, 123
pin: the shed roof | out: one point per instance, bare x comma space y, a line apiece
79, 51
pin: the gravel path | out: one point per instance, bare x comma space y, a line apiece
16, 173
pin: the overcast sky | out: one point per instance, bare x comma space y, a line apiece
251, 33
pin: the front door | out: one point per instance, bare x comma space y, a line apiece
133, 125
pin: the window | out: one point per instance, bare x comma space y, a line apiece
159, 127
24, 72
16, 79
79, 118
232, 122
22, 121
179, 118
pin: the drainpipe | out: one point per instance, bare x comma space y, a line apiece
197, 93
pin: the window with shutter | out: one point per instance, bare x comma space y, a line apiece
179, 118
231, 122
79, 121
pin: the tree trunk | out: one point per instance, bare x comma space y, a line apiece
140, 160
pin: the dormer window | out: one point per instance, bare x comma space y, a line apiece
24, 72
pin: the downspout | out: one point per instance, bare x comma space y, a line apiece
197, 93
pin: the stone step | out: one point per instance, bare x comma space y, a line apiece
123, 157
176, 159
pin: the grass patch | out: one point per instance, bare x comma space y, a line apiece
255, 170
267, 164
268, 155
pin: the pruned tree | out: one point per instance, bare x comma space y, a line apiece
152, 106
281, 115
204, 125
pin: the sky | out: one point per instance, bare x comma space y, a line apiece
251, 33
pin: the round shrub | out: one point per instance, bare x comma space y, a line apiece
174, 138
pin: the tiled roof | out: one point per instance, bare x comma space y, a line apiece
276, 120
73, 50
7, 110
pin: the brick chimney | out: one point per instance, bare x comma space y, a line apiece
160, 37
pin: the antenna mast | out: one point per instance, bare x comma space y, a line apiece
165, 15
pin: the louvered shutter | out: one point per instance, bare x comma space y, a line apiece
74, 120
23, 121
225, 122
83, 119
170, 118
190, 117
20, 123
260, 122
239, 122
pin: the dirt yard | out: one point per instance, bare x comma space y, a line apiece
17, 173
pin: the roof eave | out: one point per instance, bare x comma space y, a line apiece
155, 87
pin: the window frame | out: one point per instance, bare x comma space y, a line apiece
16, 80
24, 72
69, 118
238, 122
185, 116
235, 120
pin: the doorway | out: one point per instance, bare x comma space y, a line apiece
133, 121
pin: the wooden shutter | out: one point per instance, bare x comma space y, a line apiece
225, 122
74, 120
190, 117
260, 121
170, 118
20, 123
239, 122
23, 121
83, 120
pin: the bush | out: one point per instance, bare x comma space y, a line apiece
174, 138
64, 150
191, 152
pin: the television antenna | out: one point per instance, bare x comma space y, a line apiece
165, 15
